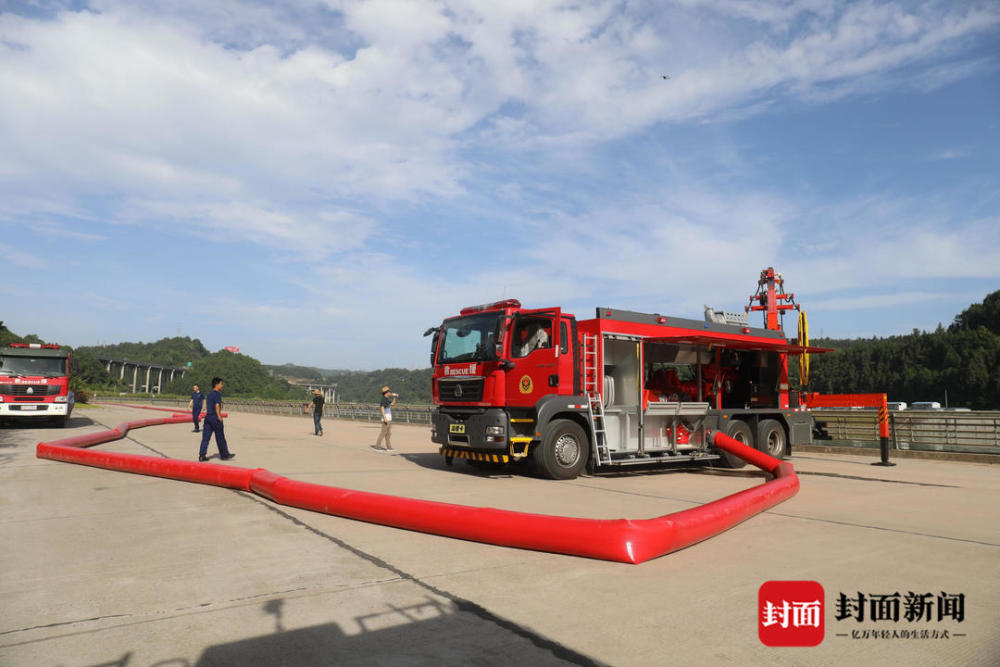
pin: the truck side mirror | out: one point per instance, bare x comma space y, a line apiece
506, 365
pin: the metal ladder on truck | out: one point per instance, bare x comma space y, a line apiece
595, 401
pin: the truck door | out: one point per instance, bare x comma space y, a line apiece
568, 360
534, 349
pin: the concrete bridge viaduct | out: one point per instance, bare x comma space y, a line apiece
329, 390
152, 372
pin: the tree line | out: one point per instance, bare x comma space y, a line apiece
959, 365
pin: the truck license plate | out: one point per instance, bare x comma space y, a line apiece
28, 407
456, 428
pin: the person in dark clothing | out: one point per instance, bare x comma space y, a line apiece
197, 398
213, 424
318, 402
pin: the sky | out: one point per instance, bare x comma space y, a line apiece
320, 182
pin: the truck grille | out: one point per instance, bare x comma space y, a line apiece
22, 389
461, 391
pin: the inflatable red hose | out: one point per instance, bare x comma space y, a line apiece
622, 540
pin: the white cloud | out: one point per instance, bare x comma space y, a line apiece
150, 102
24, 260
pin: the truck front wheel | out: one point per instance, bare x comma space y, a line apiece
563, 452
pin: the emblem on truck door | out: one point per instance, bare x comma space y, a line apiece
525, 385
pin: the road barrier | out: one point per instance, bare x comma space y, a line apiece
926, 430
621, 540
929, 430
401, 413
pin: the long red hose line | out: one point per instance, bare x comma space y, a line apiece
621, 540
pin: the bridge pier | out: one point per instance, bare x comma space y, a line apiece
161, 371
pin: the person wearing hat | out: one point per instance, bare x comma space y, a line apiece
385, 406
318, 402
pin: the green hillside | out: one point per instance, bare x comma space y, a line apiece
959, 364
244, 376
413, 386
176, 352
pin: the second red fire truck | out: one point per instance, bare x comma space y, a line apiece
34, 383
624, 388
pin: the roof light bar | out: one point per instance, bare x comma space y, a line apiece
497, 305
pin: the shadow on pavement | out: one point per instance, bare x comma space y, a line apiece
422, 634
434, 461
76, 422
43, 423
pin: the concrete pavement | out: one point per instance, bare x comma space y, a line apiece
102, 567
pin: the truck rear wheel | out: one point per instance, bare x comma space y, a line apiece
741, 432
563, 453
771, 438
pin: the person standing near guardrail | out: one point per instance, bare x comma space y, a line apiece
385, 407
197, 398
318, 402
213, 424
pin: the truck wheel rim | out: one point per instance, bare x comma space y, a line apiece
774, 444
567, 450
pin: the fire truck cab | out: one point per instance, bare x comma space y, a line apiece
34, 383
623, 388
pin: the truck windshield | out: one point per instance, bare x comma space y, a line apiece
41, 366
471, 338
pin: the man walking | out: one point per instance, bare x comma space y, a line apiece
385, 406
197, 398
318, 402
213, 424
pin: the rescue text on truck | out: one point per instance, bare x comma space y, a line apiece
623, 388
34, 383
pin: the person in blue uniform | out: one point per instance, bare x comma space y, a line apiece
213, 424
197, 398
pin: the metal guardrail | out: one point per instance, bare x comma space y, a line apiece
405, 414
925, 430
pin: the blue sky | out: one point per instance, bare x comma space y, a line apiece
319, 182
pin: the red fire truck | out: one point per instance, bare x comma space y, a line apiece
624, 388
34, 383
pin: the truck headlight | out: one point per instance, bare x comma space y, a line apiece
494, 430
62, 399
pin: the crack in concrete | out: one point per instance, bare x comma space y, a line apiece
56, 625
877, 479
